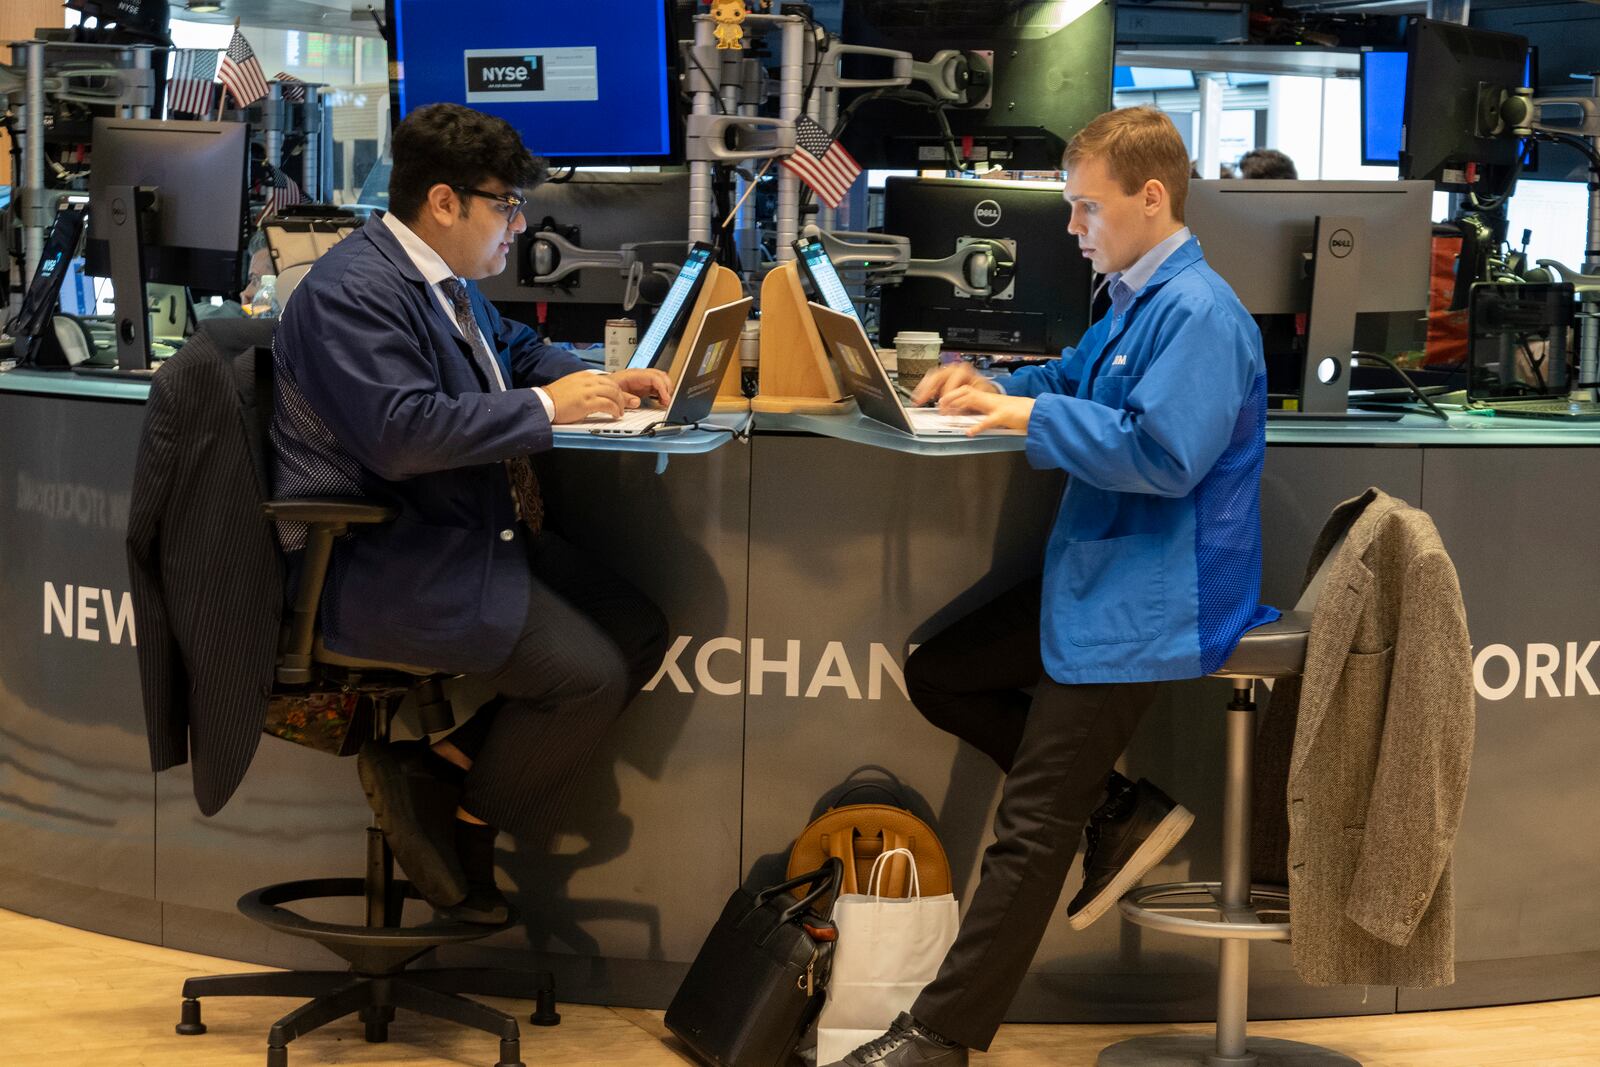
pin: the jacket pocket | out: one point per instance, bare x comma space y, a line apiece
1112, 389
1117, 590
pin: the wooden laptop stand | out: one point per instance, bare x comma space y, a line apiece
795, 375
722, 286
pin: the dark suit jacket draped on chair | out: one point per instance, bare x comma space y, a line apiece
207, 581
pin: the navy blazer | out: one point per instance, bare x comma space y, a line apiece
379, 362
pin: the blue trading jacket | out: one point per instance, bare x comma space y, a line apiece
378, 396
1153, 569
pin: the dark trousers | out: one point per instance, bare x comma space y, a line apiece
1056, 749
590, 643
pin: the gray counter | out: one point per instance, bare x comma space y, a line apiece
797, 569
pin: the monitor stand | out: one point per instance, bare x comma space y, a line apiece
1336, 258
130, 208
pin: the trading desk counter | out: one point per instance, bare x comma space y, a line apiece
797, 569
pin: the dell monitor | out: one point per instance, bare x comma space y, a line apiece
1041, 70
166, 204
580, 83
1327, 250
1045, 305
1456, 81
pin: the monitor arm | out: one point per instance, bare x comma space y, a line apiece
1520, 114
980, 267
963, 79
552, 258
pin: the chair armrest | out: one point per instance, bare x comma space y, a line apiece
327, 509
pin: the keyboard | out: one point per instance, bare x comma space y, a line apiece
631, 423
929, 421
1548, 409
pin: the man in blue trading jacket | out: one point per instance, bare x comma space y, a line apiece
1152, 573
397, 382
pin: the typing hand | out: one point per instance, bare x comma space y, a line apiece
580, 395
946, 379
642, 384
997, 411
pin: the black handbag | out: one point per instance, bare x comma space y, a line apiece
759, 979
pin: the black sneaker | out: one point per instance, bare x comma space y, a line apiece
907, 1044
1128, 834
483, 904
416, 810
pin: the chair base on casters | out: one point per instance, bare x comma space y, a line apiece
377, 982
1200, 1050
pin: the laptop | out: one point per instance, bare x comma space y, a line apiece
1521, 341
818, 269
862, 376
695, 391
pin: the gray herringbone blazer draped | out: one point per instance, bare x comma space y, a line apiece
1362, 762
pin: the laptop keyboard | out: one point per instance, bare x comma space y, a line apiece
1587, 408
636, 421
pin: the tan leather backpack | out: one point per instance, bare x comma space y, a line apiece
857, 833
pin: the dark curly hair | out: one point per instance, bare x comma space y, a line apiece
457, 146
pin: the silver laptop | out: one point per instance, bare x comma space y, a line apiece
862, 376
705, 360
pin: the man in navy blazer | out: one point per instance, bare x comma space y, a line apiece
398, 383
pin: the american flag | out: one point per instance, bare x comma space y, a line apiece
240, 72
821, 162
281, 191
191, 83
294, 90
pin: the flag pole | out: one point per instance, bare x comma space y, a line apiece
748, 190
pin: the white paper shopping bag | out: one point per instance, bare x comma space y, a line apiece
889, 948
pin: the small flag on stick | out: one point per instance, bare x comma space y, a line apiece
240, 72
821, 162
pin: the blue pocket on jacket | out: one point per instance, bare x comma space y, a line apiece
1112, 389
1117, 588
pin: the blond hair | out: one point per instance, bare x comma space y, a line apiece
1138, 144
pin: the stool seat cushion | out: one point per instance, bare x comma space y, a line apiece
323, 654
1275, 650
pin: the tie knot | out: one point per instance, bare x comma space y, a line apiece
456, 290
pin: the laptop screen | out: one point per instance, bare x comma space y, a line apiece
669, 319
1521, 339
823, 275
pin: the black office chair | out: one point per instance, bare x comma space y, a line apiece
379, 950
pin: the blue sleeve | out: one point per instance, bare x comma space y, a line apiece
1058, 376
1174, 421
361, 363
533, 361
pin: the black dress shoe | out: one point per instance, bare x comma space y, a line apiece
1131, 832
907, 1044
483, 904
416, 810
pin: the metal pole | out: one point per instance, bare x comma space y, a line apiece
272, 111
752, 96
700, 221
1589, 326
311, 113
143, 56
33, 205
816, 113
791, 88
1233, 954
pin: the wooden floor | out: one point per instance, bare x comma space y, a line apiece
72, 998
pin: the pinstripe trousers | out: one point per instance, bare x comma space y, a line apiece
590, 642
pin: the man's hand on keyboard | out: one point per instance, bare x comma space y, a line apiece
580, 395
996, 410
948, 379
643, 384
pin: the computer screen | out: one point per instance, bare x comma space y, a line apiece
579, 84
823, 275
1150, 79
669, 319
1383, 105
1447, 132
39, 303
1046, 306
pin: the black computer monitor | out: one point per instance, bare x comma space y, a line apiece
32, 325
822, 276
1049, 75
1332, 251
1456, 79
1043, 309
190, 224
582, 83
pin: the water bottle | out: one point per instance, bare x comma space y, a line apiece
265, 303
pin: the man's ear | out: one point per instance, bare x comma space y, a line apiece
1155, 198
443, 204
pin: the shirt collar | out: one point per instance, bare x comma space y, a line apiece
1138, 276
429, 263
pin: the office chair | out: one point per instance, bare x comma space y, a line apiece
379, 950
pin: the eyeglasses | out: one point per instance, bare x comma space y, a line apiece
507, 204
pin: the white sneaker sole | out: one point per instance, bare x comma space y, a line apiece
1162, 840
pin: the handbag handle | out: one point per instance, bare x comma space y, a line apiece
882, 787
828, 875
878, 866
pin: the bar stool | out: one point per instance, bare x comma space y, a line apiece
1235, 911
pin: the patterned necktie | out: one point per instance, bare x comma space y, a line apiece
524, 483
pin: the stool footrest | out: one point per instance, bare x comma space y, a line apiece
1163, 907
1200, 1050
